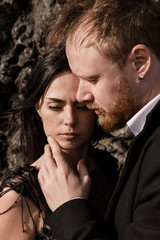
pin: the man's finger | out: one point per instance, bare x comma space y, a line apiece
82, 170
56, 151
48, 157
84, 176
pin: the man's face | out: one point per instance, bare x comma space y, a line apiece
103, 85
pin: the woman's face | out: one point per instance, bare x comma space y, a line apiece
68, 121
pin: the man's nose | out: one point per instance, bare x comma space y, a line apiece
84, 93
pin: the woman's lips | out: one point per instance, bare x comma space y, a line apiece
69, 135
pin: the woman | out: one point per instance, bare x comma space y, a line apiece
49, 108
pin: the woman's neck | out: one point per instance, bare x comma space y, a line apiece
72, 157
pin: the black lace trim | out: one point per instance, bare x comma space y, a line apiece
24, 181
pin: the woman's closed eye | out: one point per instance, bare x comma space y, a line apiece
55, 108
79, 107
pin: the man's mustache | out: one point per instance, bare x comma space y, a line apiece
94, 106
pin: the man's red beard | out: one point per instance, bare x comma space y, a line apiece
111, 120
123, 108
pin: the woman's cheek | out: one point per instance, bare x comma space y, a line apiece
47, 126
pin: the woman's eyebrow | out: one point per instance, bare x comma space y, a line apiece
57, 100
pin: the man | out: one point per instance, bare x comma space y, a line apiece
113, 47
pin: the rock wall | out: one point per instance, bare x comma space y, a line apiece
23, 29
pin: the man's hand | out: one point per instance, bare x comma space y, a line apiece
58, 181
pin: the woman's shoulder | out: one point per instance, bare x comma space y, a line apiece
8, 198
19, 202
15, 216
19, 179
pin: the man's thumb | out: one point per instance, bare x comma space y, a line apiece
85, 178
83, 173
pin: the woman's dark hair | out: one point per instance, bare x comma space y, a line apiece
25, 120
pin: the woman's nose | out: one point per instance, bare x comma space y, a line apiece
84, 93
70, 117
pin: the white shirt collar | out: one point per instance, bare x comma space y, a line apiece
136, 123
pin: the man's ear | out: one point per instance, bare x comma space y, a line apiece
141, 57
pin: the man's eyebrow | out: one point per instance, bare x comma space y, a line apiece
90, 78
